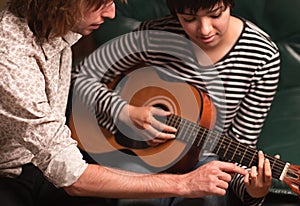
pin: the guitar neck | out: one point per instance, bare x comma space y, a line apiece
234, 151
226, 148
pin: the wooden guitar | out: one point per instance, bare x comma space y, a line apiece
193, 115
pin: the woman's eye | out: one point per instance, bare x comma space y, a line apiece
215, 16
189, 19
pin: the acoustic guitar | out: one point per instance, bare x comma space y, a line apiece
194, 116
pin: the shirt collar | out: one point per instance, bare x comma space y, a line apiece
56, 45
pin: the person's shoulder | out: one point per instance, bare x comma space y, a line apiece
16, 37
14, 28
256, 33
9, 20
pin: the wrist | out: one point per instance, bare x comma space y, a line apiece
175, 186
124, 113
255, 194
180, 187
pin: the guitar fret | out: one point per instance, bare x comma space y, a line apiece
201, 138
195, 133
183, 130
234, 156
222, 147
208, 139
212, 140
277, 166
251, 161
190, 128
245, 150
170, 121
177, 121
273, 163
219, 147
224, 156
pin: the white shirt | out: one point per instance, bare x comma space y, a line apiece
34, 90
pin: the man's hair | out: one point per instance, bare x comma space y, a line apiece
52, 18
178, 6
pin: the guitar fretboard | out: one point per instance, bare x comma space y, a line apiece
228, 149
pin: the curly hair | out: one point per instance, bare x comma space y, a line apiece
178, 6
52, 18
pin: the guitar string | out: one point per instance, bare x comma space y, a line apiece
232, 151
276, 164
248, 156
236, 146
275, 169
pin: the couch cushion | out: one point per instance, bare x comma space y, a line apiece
129, 16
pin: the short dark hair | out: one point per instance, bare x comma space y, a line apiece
178, 6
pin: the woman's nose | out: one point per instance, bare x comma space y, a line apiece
204, 26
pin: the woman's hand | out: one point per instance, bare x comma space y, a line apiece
142, 121
258, 180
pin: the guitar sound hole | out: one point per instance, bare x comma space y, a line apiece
161, 106
161, 118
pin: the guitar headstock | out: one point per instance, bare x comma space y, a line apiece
292, 178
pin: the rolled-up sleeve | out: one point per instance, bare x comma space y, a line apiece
29, 124
64, 172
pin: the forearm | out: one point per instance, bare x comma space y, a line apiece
99, 181
93, 78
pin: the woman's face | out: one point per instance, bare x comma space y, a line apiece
206, 28
94, 18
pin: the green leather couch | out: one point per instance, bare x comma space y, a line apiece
280, 19
281, 133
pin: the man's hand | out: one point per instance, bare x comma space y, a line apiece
211, 179
142, 121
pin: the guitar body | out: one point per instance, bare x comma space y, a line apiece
194, 116
145, 87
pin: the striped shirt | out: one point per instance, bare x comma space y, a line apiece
241, 85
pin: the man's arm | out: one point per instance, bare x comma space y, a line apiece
100, 181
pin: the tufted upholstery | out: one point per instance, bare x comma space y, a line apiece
129, 16
281, 133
